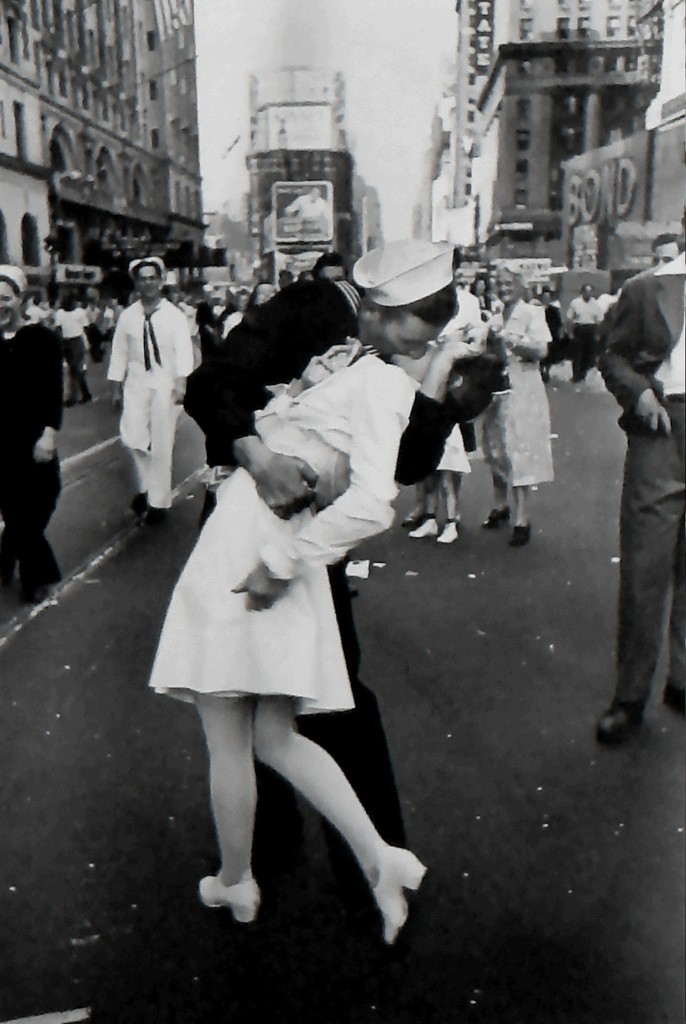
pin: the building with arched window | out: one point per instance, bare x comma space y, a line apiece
88, 157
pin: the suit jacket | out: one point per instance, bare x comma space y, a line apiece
647, 325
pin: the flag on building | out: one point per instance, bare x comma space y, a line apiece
173, 15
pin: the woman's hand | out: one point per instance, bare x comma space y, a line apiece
45, 447
446, 353
262, 590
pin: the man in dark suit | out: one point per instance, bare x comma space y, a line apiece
222, 395
643, 367
30, 417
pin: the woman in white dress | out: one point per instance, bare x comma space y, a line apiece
251, 635
516, 426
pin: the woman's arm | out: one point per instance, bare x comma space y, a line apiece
382, 399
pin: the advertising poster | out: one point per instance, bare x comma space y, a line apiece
303, 211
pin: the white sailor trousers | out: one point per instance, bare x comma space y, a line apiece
148, 427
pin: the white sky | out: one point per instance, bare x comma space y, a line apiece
396, 56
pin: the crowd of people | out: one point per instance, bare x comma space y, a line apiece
318, 400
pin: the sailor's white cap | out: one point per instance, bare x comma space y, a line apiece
403, 272
147, 261
15, 276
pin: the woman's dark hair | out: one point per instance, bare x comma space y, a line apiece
327, 259
69, 302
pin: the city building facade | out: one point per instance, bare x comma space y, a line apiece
540, 84
302, 175
98, 134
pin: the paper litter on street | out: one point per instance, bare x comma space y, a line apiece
358, 570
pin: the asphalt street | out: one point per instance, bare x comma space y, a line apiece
555, 888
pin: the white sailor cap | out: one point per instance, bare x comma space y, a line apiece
14, 276
403, 272
147, 261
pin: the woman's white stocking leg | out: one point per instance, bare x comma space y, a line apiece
228, 724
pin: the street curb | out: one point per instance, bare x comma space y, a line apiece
19, 621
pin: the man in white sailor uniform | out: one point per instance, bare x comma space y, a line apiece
152, 355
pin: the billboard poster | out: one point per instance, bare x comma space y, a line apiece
303, 211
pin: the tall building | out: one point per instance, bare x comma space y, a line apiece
566, 77
98, 133
301, 171
475, 47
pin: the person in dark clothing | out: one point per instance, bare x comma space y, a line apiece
209, 332
222, 395
30, 416
558, 347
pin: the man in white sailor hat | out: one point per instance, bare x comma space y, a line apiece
30, 417
152, 355
410, 297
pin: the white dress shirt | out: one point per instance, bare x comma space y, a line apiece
582, 312
672, 371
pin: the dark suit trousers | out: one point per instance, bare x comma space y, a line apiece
584, 350
652, 590
28, 496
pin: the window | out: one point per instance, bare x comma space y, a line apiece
614, 26
521, 196
14, 32
3, 126
155, 138
64, 90
20, 130
30, 243
4, 253
152, 89
584, 25
523, 138
151, 39
563, 27
522, 168
523, 108
526, 26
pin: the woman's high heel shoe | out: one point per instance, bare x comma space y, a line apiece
242, 899
398, 870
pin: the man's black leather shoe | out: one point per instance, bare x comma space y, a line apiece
619, 723
674, 697
495, 517
155, 516
139, 505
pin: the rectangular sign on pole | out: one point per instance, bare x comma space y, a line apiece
303, 211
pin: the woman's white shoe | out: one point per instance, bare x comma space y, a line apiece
242, 899
398, 870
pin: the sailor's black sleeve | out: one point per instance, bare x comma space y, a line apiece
423, 441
